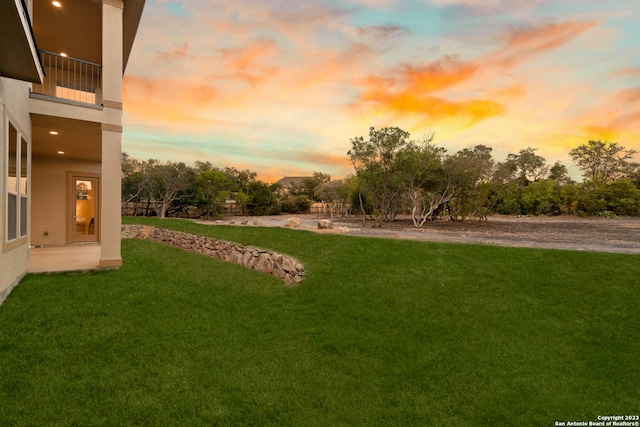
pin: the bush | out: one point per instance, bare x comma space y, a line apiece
261, 200
540, 198
296, 204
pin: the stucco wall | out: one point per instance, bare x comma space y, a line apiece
13, 266
14, 258
49, 208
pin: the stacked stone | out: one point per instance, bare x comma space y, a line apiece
281, 266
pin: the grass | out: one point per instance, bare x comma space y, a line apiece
381, 332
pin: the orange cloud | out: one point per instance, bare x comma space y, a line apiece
438, 75
410, 92
512, 92
436, 108
619, 121
182, 93
146, 101
468, 92
326, 159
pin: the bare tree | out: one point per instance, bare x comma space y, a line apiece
132, 182
166, 183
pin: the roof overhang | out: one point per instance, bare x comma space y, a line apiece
18, 52
130, 21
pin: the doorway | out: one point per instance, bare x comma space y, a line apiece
84, 208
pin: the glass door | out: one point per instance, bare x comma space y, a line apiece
85, 209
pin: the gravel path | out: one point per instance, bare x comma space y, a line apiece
619, 235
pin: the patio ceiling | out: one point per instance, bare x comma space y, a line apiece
75, 27
77, 139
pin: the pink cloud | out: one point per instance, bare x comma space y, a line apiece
621, 121
523, 43
173, 54
466, 92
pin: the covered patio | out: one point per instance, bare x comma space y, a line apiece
55, 259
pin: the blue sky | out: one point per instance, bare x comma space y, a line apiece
281, 87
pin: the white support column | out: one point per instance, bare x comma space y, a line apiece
110, 187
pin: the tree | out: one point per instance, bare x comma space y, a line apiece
212, 189
505, 199
558, 173
602, 162
166, 183
375, 162
503, 173
322, 177
634, 174
540, 198
528, 166
260, 199
465, 170
239, 179
133, 182
424, 177
309, 186
336, 195
623, 198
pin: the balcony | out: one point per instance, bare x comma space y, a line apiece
69, 81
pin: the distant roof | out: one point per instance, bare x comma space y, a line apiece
288, 181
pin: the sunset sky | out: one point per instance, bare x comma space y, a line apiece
280, 87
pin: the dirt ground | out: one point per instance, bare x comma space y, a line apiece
621, 235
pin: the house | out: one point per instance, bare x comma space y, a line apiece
288, 182
61, 69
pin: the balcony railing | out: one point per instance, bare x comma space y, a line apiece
69, 80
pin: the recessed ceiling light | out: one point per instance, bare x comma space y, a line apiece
60, 152
53, 132
56, 3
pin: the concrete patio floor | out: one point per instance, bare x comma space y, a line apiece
84, 257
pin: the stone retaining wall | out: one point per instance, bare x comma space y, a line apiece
283, 267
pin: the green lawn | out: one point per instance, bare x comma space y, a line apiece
381, 332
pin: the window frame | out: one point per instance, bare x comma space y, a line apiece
21, 190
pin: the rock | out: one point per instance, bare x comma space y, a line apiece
325, 224
245, 222
292, 222
264, 263
258, 222
284, 268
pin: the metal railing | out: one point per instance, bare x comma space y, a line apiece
70, 79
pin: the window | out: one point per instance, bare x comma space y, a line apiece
17, 180
12, 182
23, 187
